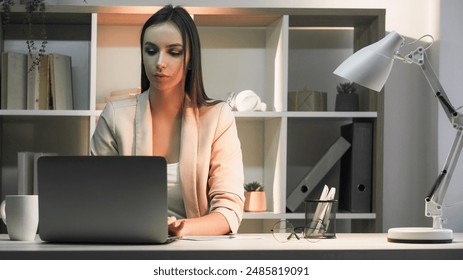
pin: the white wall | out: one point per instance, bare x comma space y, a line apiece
450, 73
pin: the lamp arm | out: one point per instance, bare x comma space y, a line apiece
433, 202
419, 57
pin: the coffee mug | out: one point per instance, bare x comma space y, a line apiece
20, 213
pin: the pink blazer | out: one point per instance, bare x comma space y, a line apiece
211, 165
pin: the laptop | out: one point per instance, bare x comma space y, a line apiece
103, 199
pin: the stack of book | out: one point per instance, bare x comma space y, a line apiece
118, 95
36, 87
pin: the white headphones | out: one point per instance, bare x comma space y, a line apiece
246, 101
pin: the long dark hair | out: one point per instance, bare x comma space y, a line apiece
194, 85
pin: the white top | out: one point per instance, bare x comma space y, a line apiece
174, 191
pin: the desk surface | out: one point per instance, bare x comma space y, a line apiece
245, 246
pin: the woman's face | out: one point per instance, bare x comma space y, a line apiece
163, 57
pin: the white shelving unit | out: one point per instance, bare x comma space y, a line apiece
242, 48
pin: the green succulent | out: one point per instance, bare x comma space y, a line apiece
346, 88
254, 187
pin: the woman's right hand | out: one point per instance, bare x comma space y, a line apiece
175, 226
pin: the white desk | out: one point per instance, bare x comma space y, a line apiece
255, 246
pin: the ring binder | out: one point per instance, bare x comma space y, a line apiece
316, 174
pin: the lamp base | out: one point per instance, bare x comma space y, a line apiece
419, 235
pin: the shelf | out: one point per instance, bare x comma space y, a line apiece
299, 216
238, 115
331, 114
48, 113
257, 115
236, 20
341, 115
201, 20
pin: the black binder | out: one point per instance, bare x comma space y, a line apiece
355, 194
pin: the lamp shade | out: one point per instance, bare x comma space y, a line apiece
371, 66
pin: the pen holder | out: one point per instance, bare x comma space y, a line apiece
320, 218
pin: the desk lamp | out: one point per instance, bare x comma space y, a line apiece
370, 67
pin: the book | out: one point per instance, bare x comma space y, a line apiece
38, 84
126, 92
4, 77
33, 83
25, 173
61, 81
118, 95
44, 87
14, 81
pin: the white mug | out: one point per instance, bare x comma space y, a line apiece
20, 213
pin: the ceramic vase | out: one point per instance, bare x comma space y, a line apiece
255, 202
347, 102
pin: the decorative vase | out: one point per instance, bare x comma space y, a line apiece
255, 202
347, 102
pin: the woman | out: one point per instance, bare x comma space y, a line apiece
175, 119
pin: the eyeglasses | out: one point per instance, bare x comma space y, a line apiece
283, 231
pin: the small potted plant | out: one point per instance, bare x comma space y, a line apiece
255, 197
347, 98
